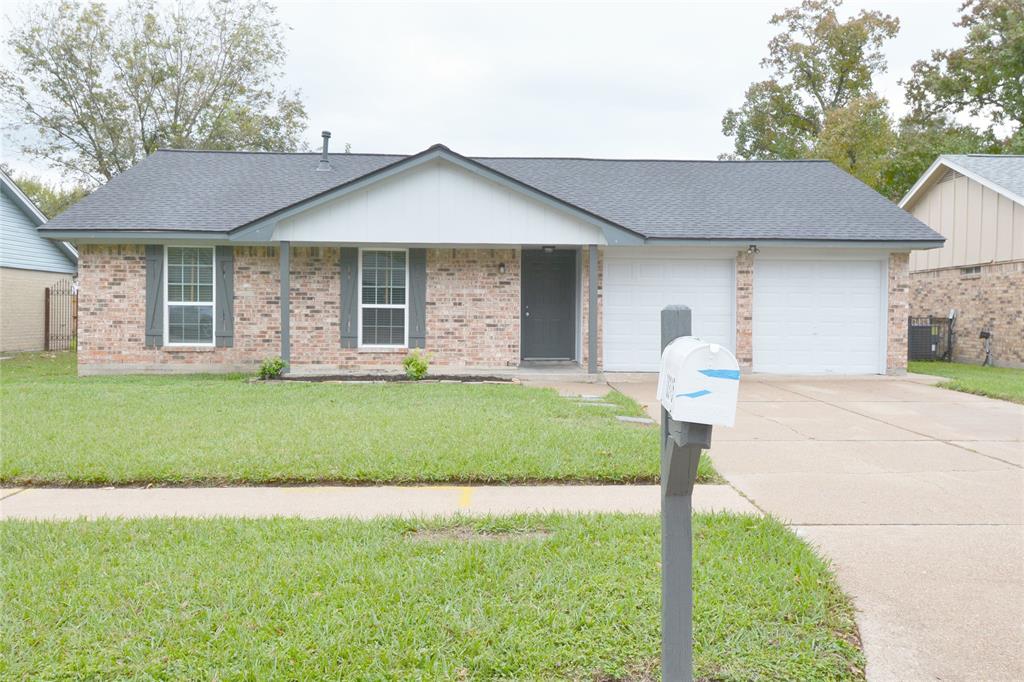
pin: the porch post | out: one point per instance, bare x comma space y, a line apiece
592, 310
286, 343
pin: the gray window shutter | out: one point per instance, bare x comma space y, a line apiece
349, 297
417, 298
154, 295
225, 286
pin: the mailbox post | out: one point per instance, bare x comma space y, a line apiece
698, 387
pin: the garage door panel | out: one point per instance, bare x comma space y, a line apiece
637, 288
817, 316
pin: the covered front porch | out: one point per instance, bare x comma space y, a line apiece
509, 312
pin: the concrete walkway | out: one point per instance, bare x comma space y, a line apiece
916, 494
355, 502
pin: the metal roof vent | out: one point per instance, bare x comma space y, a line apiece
324, 164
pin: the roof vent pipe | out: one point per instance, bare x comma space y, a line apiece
325, 165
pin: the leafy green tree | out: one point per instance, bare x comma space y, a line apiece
984, 78
858, 138
919, 141
818, 65
103, 89
50, 198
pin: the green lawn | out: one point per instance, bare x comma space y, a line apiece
524, 598
58, 429
995, 382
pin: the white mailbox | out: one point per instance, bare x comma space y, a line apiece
699, 382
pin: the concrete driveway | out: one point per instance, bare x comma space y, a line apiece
914, 492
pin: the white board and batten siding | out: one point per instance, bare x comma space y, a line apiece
820, 315
437, 203
21, 247
639, 282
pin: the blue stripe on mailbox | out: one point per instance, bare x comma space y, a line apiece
695, 394
721, 373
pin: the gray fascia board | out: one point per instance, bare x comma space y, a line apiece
262, 229
818, 243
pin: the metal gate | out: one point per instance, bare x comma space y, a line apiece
930, 338
60, 316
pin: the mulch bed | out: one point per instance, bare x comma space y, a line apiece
401, 378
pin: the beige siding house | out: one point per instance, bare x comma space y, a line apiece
975, 201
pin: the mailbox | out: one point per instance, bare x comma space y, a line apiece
699, 382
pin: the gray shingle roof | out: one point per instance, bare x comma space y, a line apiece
1005, 170
793, 200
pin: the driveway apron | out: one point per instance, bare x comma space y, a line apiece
915, 493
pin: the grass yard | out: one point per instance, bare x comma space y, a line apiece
59, 429
995, 382
525, 598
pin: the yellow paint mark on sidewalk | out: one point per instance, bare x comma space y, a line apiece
465, 498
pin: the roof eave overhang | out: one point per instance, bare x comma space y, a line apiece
891, 245
928, 180
262, 230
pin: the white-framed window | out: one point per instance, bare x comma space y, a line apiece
189, 295
383, 299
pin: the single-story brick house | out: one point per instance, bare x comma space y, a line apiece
196, 260
975, 201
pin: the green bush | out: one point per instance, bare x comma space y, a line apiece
416, 365
271, 368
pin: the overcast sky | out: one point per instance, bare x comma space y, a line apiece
601, 80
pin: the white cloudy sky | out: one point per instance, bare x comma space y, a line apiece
579, 79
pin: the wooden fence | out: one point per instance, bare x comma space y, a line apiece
60, 317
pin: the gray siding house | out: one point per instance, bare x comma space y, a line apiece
29, 263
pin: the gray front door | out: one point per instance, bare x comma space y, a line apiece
549, 286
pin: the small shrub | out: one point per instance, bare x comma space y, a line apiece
271, 368
416, 365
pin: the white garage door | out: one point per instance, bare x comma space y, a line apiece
813, 317
637, 287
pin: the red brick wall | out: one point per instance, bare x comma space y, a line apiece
472, 312
899, 309
112, 314
745, 309
992, 299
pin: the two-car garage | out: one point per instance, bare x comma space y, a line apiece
812, 314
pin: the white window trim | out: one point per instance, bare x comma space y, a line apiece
168, 304
405, 306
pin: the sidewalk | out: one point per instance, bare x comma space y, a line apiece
355, 502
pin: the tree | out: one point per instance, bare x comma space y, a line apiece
919, 141
818, 65
984, 78
50, 199
858, 138
103, 90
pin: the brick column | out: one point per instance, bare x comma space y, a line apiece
899, 309
745, 309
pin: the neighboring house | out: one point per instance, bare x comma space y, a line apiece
976, 201
29, 263
487, 263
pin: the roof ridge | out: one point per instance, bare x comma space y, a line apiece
262, 151
493, 158
598, 158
